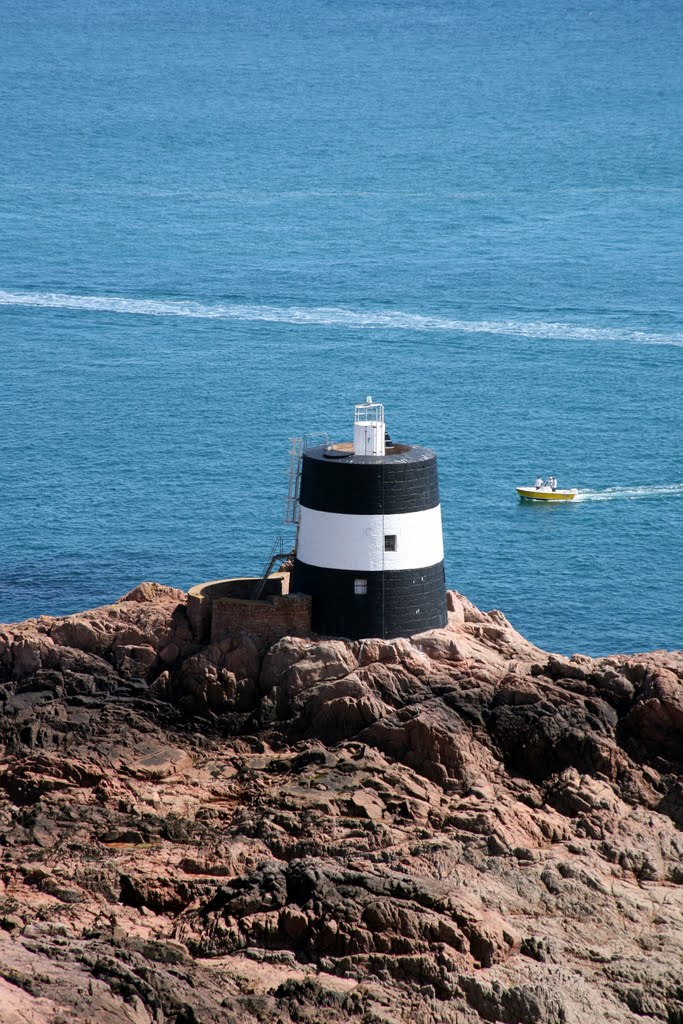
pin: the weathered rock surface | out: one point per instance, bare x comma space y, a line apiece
454, 828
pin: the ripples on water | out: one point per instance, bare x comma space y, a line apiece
631, 493
472, 211
329, 316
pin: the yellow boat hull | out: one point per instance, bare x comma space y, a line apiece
531, 494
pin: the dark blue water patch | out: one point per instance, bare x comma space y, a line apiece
403, 164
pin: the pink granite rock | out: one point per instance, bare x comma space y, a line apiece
453, 828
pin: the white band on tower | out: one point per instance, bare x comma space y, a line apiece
376, 543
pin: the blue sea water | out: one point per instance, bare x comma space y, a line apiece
222, 224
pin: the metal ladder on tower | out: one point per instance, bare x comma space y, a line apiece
296, 454
279, 553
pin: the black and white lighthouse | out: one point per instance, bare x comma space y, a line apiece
370, 544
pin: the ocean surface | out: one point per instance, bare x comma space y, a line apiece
223, 224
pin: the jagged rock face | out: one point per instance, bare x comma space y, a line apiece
458, 827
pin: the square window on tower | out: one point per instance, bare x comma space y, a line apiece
389, 541
360, 586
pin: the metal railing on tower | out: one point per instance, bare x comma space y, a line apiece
278, 553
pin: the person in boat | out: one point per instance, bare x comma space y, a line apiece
538, 483
552, 483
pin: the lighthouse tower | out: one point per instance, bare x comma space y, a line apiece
370, 544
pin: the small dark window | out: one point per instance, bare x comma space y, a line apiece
389, 541
360, 586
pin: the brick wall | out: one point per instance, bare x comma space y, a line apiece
223, 607
289, 615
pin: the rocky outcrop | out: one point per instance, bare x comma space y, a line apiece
459, 827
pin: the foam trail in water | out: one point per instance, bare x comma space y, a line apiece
334, 316
615, 493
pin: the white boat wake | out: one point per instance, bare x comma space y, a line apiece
335, 317
631, 493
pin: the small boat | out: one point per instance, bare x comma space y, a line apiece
546, 493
